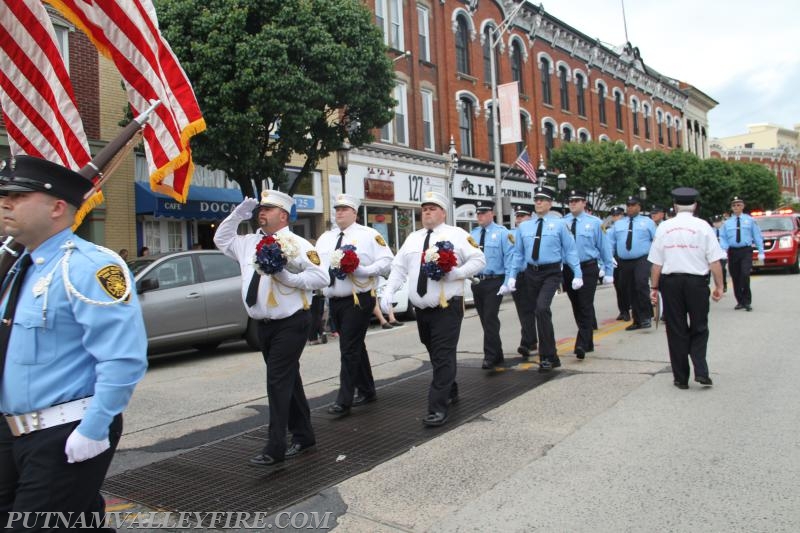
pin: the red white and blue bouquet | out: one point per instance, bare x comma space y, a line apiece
439, 259
344, 261
273, 252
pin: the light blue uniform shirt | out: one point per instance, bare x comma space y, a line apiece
499, 250
557, 245
591, 241
750, 234
74, 349
644, 231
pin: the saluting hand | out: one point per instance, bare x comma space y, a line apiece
245, 209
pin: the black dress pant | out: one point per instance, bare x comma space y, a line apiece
282, 343
36, 477
316, 329
582, 302
623, 301
439, 329
635, 277
542, 286
356, 371
487, 303
740, 264
526, 312
685, 300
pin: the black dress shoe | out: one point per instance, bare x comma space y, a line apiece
338, 410
623, 317
646, 324
545, 366
680, 385
748, 308
264, 460
704, 380
633, 327
362, 400
452, 399
556, 362
487, 365
298, 449
580, 353
739, 306
523, 351
435, 419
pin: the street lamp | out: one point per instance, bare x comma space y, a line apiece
452, 166
643, 193
343, 160
494, 38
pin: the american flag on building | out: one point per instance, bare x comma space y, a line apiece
524, 162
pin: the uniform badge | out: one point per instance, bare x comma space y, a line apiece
472, 242
511, 238
379, 239
313, 257
112, 280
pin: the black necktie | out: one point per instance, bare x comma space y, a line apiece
330, 270
738, 229
483, 238
11, 307
572, 229
252, 289
422, 279
629, 240
537, 242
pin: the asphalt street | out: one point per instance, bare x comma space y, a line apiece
609, 446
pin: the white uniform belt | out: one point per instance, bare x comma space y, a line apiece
48, 417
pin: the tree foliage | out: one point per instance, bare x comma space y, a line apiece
609, 173
279, 77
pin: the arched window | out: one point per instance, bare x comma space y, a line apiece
601, 103
465, 128
618, 108
462, 45
544, 72
516, 65
660, 126
563, 81
583, 135
635, 115
580, 94
487, 58
549, 138
646, 113
566, 132
669, 130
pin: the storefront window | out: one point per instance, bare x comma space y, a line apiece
405, 224
382, 220
175, 236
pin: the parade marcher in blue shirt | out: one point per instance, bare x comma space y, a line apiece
497, 279
623, 300
543, 245
594, 254
526, 309
630, 239
716, 222
739, 235
72, 348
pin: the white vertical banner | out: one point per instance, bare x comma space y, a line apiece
510, 127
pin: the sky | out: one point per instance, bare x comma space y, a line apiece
744, 54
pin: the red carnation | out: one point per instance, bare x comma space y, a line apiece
349, 262
447, 260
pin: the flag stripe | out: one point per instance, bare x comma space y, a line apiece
524, 163
37, 97
128, 34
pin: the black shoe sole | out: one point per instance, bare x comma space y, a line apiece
307, 449
436, 424
365, 401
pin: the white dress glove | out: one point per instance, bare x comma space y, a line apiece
80, 448
454, 275
386, 303
608, 280
601, 274
577, 283
503, 290
614, 260
285, 278
361, 272
761, 257
245, 209
508, 288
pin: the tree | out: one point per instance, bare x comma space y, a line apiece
661, 172
605, 171
279, 77
756, 184
717, 184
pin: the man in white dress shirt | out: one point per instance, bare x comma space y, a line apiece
280, 304
684, 250
439, 304
352, 299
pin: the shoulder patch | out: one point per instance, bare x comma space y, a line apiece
313, 257
472, 242
511, 238
379, 239
112, 279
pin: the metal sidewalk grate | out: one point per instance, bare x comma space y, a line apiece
218, 477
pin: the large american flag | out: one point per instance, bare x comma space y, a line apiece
128, 34
524, 162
